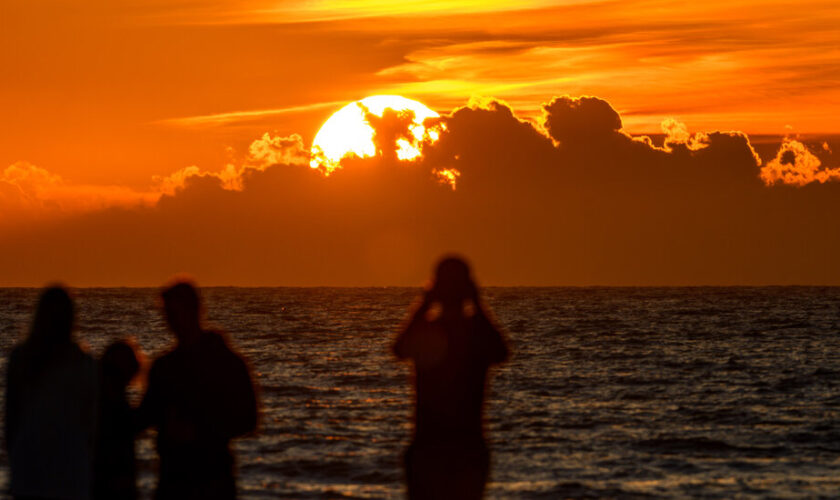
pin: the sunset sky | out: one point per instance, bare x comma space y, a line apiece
595, 142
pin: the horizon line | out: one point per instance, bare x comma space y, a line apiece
144, 287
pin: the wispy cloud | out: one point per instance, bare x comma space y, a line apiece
739, 71
309, 11
238, 116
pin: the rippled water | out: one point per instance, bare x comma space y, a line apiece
611, 392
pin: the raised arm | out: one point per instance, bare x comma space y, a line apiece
406, 342
494, 339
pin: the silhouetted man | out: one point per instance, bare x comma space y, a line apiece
200, 396
448, 457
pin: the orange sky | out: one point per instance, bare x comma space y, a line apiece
108, 105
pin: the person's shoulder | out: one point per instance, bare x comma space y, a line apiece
490, 337
78, 359
216, 343
215, 340
226, 359
162, 362
214, 337
80, 354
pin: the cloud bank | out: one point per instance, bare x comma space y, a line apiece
571, 199
28, 191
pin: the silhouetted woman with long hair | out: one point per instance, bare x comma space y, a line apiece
451, 351
51, 390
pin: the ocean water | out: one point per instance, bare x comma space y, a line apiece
609, 393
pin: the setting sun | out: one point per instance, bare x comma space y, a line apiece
348, 132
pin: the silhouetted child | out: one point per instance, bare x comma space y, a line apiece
115, 475
448, 457
50, 419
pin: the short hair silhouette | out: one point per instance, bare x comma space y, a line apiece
115, 463
119, 363
200, 396
182, 307
183, 295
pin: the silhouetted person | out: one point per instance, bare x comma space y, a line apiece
51, 390
115, 476
448, 457
199, 397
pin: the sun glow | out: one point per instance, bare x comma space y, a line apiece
348, 132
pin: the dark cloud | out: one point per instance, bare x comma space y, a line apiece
575, 121
573, 200
389, 128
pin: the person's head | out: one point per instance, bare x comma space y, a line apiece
119, 363
54, 317
453, 283
182, 307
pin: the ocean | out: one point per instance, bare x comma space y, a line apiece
609, 392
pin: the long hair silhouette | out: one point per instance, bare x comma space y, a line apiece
51, 330
50, 419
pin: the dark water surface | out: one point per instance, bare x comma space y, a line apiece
611, 392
